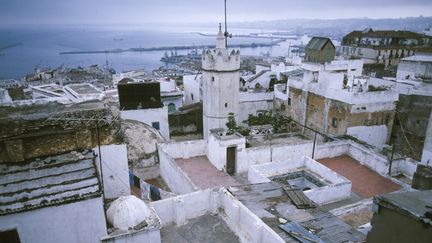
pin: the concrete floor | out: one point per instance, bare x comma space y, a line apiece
207, 228
203, 174
365, 182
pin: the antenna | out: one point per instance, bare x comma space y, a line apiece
226, 34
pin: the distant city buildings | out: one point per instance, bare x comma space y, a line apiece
384, 47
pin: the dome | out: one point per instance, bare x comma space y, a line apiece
127, 211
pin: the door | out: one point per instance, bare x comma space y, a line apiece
231, 160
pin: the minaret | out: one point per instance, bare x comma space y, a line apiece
221, 77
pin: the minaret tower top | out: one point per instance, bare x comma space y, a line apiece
220, 39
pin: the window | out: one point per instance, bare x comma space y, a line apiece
171, 107
212, 79
335, 122
10, 236
289, 101
155, 125
192, 96
226, 105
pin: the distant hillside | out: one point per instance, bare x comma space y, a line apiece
337, 28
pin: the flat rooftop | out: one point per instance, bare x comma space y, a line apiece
365, 182
83, 89
207, 228
203, 174
270, 203
416, 204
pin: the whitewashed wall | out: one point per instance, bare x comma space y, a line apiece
191, 88
245, 224
82, 221
173, 175
339, 189
373, 135
143, 236
185, 149
148, 116
217, 150
115, 170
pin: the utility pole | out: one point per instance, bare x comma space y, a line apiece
226, 34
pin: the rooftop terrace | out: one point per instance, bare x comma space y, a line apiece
206, 228
270, 203
365, 182
203, 174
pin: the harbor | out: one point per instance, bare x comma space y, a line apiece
175, 48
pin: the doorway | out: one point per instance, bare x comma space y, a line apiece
231, 160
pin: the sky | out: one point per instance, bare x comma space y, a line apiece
200, 11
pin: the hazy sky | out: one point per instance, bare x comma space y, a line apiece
181, 11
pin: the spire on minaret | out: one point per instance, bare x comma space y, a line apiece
220, 39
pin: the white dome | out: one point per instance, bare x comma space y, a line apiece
126, 212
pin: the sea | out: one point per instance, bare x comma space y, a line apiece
26, 47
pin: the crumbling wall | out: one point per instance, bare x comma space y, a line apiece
411, 124
315, 112
31, 132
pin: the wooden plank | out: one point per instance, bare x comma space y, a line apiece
298, 198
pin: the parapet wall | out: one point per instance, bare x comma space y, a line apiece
338, 189
245, 224
221, 60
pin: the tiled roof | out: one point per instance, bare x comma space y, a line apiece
386, 33
47, 182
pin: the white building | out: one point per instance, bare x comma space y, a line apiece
192, 89
417, 67
221, 75
57, 199
171, 95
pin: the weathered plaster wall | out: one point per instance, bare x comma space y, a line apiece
413, 119
82, 221
115, 170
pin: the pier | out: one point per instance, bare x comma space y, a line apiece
168, 48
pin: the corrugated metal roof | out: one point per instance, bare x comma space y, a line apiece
47, 182
269, 202
318, 43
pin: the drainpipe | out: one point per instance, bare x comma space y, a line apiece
391, 160
313, 148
